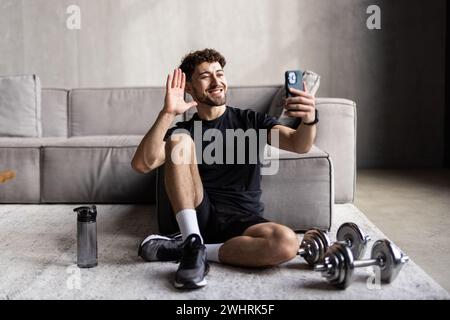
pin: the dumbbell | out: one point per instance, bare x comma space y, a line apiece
316, 242
338, 263
351, 235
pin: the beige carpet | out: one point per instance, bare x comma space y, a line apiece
38, 261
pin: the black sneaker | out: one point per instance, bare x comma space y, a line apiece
193, 266
160, 248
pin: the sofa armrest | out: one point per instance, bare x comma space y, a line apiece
336, 135
301, 192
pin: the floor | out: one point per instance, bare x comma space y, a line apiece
38, 250
412, 207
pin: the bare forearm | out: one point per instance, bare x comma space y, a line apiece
303, 138
150, 146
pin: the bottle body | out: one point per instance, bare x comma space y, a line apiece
86, 236
86, 244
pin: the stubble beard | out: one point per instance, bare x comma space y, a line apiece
211, 101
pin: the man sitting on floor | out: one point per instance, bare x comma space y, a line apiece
217, 203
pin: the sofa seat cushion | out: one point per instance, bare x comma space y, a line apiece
27, 142
88, 141
79, 169
315, 152
21, 155
94, 169
25, 162
95, 141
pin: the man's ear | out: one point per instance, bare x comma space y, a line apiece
188, 87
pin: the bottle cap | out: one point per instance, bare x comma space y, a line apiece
86, 214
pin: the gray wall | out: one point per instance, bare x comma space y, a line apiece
396, 74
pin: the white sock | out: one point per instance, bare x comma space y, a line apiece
187, 221
212, 252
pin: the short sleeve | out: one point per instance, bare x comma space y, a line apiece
264, 121
184, 125
169, 132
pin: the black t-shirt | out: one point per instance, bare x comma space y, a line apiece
231, 182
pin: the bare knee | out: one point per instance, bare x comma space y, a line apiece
283, 245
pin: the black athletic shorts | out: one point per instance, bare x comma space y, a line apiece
221, 223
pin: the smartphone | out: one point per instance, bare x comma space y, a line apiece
293, 79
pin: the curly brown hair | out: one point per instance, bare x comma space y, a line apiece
193, 59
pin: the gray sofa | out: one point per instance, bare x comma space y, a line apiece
90, 136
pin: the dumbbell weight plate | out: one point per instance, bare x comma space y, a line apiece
324, 243
392, 259
341, 258
356, 239
311, 248
318, 243
346, 266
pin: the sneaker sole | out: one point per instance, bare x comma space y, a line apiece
193, 285
190, 285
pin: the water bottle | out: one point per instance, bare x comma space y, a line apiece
86, 236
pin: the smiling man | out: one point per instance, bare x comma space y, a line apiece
216, 205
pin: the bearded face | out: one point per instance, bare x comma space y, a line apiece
208, 85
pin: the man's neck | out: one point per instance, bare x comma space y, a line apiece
209, 113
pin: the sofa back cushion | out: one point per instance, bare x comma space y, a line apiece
255, 98
54, 112
114, 111
20, 106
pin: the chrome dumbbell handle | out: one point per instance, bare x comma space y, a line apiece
365, 263
321, 267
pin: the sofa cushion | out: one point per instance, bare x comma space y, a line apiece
95, 169
300, 195
116, 111
24, 160
315, 152
54, 112
93, 141
20, 106
276, 106
11, 142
